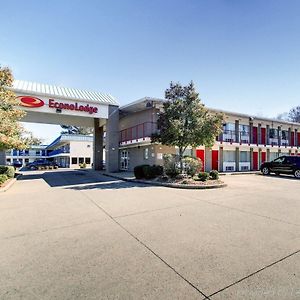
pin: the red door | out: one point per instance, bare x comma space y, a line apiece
263, 136
298, 137
200, 154
255, 161
255, 135
292, 138
215, 160
263, 157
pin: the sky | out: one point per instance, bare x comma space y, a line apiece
243, 56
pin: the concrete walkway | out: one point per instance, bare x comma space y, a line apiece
80, 235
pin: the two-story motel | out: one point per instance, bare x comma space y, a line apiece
125, 132
246, 140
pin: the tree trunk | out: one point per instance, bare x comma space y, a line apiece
180, 160
2, 157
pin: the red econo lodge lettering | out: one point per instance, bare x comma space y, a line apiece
75, 106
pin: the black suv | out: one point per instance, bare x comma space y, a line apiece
282, 165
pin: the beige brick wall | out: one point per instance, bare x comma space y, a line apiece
155, 152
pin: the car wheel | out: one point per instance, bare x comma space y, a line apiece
265, 171
297, 173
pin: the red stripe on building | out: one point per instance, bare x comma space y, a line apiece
263, 157
292, 138
215, 160
255, 141
200, 154
255, 160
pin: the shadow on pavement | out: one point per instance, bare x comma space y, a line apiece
78, 180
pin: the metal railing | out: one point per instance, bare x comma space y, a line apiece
58, 151
138, 131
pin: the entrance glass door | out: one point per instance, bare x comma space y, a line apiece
124, 161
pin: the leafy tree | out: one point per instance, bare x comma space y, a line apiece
12, 134
185, 121
294, 114
69, 129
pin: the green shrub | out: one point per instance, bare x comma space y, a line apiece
82, 166
3, 178
214, 174
191, 165
9, 171
203, 176
149, 172
3, 169
171, 165
138, 171
159, 170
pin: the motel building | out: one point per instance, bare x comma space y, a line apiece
245, 142
67, 151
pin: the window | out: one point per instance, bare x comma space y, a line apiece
26, 160
244, 129
37, 152
244, 156
74, 160
273, 133
284, 134
229, 156
81, 160
273, 155
8, 160
279, 160
229, 127
146, 153
88, 160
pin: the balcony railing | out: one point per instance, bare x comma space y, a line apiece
58, 151
137, 132
230, 136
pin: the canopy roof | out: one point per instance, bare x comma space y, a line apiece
27, 87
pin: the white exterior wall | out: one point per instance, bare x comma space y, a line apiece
81, 149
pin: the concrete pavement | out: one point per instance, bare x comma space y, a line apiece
80, 235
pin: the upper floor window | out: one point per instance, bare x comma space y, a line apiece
244, 129
284, 134
229, 127
273, 133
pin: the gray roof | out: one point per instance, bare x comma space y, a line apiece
20, 86
71, 137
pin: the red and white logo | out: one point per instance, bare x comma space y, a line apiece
29, 101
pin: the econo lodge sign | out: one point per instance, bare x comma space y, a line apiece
34, 102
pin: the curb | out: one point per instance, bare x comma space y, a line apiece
169, 185
8, 184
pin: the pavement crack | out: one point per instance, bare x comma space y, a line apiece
50, 229
147, 247
241, 210
256, 272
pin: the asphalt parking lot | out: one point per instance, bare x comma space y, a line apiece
80, 235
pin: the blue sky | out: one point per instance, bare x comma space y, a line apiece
243, 56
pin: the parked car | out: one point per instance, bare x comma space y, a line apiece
41, 164
282, 165
17, 164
